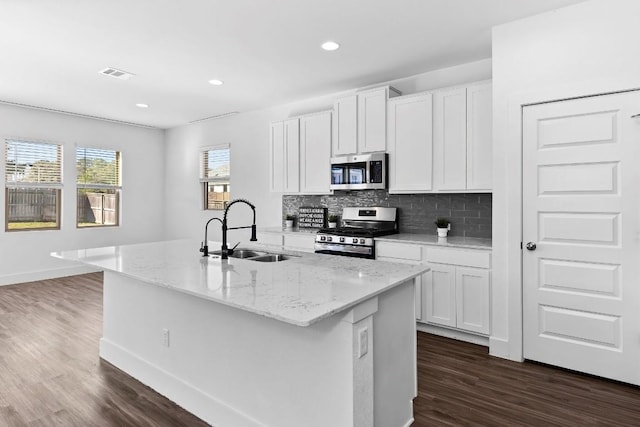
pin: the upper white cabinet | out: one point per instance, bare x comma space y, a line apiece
315, 153
479, 137
345, 125
450, 139
361, 121
300, 150
284, 173
462, 138
410, 143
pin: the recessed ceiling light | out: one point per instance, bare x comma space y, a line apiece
216, 82
142, 105
330, 46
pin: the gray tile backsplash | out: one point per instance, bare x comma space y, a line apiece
469, 213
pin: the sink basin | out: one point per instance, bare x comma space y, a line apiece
245, 253
240, 253
270, 258
251, 255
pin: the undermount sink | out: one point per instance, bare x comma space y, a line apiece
271, 258
251, 255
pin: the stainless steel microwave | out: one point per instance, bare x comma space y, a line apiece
359, 172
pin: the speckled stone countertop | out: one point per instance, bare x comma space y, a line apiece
414, 238
301, 290
430, 239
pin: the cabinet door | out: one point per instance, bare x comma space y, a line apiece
450, 139
473, 297
410, 144
479, 137
345, 126
276, 157
291, 156
372, 120
441, 295
315, 153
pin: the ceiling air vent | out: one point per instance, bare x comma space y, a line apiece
115, 73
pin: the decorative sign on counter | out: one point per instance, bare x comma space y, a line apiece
312, 217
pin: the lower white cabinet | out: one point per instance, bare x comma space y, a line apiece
458, 297
456, 292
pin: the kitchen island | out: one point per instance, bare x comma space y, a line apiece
315, 340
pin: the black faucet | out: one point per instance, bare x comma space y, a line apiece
204, 247
225, 250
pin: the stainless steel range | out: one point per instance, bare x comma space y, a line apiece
356, 236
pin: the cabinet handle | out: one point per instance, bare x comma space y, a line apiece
635, 116
531, 246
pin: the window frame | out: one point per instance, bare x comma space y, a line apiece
56, 186
205, 181
116, 188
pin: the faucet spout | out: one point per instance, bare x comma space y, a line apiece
204, 247
225, 249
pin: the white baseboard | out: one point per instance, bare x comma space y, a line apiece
454, 334
202, 405
32, 276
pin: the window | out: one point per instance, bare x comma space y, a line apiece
214, 176
33, 177
98, 187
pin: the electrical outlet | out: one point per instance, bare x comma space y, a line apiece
363, 342
165, 337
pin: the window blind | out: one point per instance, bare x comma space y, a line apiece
215, 164
33, 164
97, 167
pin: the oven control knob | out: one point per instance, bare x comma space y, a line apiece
323, 238
329, 238
342, 240
362, 241
355, 240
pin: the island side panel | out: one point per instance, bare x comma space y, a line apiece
228, 366
395, 363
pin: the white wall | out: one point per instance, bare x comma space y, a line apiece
585, 49
248, 134
24, 255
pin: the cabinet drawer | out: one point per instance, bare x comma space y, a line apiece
468, 258
398, 251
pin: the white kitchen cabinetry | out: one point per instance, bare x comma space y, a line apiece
284, 153
462, 138
440, 295
410, 144
315, 153
345, 125
473, 291
479, 136
456, 291
361, 121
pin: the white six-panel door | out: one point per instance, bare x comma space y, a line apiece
581, 198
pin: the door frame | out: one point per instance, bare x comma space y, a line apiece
507, 221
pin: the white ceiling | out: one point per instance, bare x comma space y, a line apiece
266, 51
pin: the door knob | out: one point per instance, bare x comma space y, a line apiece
531, 246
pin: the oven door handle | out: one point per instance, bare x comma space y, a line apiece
343, 249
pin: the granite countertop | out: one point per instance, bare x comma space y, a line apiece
302, 290
284, 230
415, 238
430, 239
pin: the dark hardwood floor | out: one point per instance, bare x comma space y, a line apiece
51, 375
